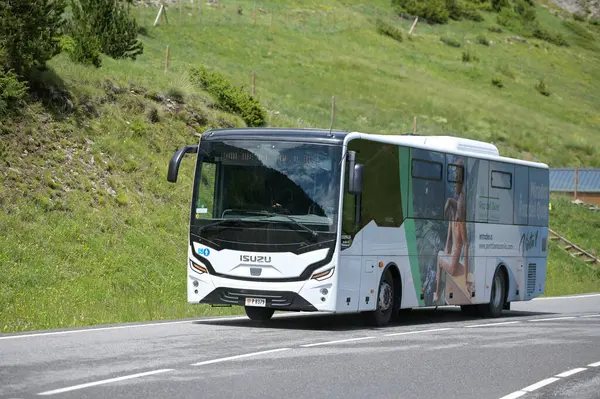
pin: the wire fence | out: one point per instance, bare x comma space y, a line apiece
274, 16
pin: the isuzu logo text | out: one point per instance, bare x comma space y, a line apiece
255, 258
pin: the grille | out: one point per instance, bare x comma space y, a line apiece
531, 274
239, 297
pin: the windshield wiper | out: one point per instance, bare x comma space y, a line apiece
313, 233
218, 222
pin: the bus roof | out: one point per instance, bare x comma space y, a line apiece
446, 144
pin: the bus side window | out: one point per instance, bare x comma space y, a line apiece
539, 191
521, 194
428, 184
501, 197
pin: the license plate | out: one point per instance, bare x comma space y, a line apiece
256, 302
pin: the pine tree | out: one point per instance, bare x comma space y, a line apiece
30, 32
109, 22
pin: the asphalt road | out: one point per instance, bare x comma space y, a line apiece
540, 349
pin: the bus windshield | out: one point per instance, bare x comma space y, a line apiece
270, 195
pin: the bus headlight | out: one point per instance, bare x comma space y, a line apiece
323, 275
197, 268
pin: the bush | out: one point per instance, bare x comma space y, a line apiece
450, 42
467, 56
595, 22
557, 39
108, 22
483, 40
82, 48
578, 30
497, 82
29, 32
495, 29
497, 5
579, 17
12, 92
434, 11
542, 88
388, 29
228, 97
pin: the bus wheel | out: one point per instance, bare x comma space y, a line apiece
497, 297
259, 314
385, 302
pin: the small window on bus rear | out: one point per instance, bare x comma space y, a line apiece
426, 170
501, 180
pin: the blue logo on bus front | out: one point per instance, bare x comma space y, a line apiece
203, 251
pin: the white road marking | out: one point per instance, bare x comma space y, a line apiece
92, 384
591, 315
514, 395
493, 324
597, 364
167, 323
89, 330
224, 359
336, 342
571, 372
565, 297
554, 318
540, 384
416, 332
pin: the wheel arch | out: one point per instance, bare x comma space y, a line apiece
395, 271
502, 268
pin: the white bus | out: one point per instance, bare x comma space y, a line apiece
342, 222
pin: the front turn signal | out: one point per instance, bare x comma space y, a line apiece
323, 275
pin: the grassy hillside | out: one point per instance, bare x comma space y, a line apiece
95, 234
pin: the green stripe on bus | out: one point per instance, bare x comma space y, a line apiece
409, 224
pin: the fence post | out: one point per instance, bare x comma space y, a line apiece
332, 112
167, 60
576, 181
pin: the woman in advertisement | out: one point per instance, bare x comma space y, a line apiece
457, 242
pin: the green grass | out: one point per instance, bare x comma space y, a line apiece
577, 224
95, 234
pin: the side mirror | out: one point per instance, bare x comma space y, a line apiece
176, 160
355, 175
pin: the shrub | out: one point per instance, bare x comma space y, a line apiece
483, 40
81, 47
229, 98
579, 17
176, 95
595, 22
29, 32
497, 5
388, 29
109, 22
467, 56
435, 11
450, 42
557, 39
578, 30
471, 14
12, 91
497, 82
495, 29
542, 88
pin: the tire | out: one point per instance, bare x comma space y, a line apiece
259, 314
497, 297
385, 302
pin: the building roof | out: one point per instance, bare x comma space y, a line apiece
563, 179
